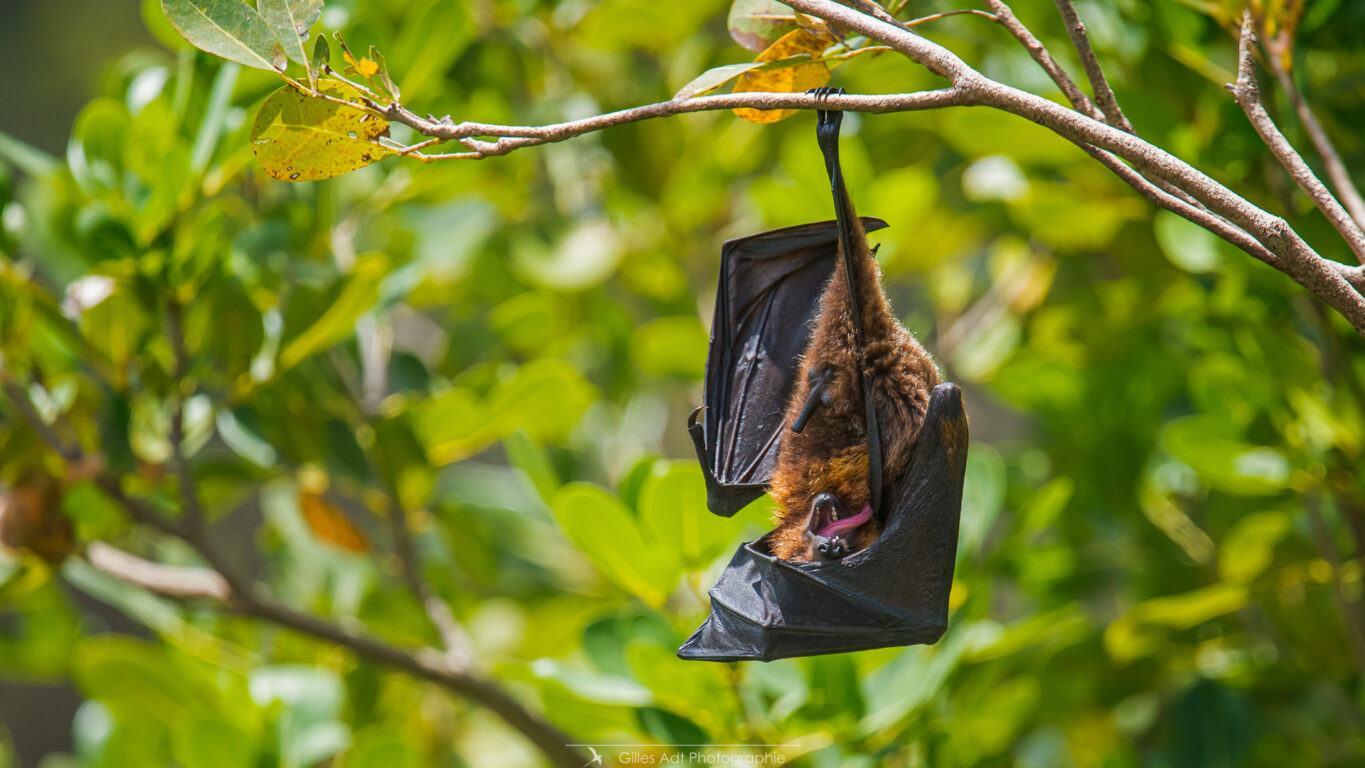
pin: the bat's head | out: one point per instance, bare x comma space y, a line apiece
826, 512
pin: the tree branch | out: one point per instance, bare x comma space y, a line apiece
1099, 84
220, 583
171, 581
1298, 259
426, 664
1005, 16
513, 137
1248, 94
1336, 169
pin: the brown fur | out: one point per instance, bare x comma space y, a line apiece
830, 454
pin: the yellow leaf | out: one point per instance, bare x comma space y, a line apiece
301, 137
330, 524
795, 79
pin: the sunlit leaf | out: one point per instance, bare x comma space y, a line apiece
604, 530
1224, 461
228, 28
337, 321
300, 137
290, 21
714, 78
755, 24
1143, 629
1249, 547
673, 511
210, 742
330, 524
796, 79
545, 397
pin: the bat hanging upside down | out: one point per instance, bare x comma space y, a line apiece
841, 458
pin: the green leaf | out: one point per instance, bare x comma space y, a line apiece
1249, 547
909, 681
524, 453
131, 677
301, 137
215, 117
545, 397
205, 742
714, 78
755, 24
227, 28
1142, 630
337, 322
604, 530
1224, 462
1186, 244
290, 20
322, 56
381, 747
673, 512
670, 346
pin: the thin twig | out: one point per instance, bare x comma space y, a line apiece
1005, 17
946, 14
1331, 159
1099, 84
1248, 95
169, 580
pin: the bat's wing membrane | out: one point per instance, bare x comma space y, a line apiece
769, 291
895, 592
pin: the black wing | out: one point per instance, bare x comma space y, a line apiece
770, 286
894, 592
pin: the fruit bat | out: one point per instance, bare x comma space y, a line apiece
818, 396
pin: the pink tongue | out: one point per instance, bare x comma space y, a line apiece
847, 524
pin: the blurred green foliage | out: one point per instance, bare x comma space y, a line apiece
511, 348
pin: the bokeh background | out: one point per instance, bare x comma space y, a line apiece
1163, 521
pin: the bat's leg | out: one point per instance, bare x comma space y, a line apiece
852, 245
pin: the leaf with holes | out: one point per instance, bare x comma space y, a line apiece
228, 28
300, 137
808, 43
290, 21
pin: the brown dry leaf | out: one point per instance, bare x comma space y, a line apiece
31, 518
797, 79
330, 524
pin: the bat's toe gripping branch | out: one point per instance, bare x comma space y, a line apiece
827, 121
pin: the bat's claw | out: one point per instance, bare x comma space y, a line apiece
827, 120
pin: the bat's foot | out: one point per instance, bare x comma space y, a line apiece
827, 120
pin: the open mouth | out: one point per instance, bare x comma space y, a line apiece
831, 528
827, 520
